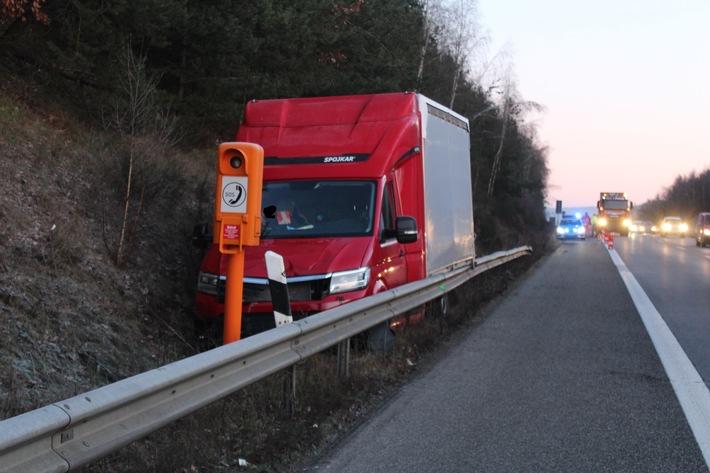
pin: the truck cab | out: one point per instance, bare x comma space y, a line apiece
614, 213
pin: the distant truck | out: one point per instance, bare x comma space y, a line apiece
361, 194
614, 212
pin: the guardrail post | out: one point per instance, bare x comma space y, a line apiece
289, 399
344, 358
279, 288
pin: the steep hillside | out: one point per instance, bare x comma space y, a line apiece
72, 319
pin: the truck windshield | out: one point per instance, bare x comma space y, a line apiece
317, 209
615, 204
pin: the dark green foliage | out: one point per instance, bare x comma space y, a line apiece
212, 56
688, 196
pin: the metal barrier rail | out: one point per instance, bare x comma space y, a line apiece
74, 432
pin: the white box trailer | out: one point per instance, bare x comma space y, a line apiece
448, 199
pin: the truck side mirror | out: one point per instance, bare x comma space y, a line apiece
406, 229
202, 235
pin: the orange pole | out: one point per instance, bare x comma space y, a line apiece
233, 297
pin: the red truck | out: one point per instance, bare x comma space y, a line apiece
614, 212
361, 194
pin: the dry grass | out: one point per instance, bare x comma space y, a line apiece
70, 317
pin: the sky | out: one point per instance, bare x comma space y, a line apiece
625, 85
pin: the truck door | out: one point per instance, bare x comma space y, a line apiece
390, 264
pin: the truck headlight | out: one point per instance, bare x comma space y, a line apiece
345, 281
602, 222
706, 232
207, 283
683, 227
627, 222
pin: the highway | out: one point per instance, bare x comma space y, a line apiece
563, 374
675, 274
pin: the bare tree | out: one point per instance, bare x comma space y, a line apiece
136, 116
506, 104
461, 36
510, 104
429, 31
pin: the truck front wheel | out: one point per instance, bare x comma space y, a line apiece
439, 307
381, 337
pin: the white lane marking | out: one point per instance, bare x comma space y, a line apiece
691, 391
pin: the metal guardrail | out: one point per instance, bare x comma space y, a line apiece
74, 432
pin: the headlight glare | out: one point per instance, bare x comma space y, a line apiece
346, 281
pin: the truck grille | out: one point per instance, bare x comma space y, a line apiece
299, 289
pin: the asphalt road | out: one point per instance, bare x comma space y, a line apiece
561, 376
675, 274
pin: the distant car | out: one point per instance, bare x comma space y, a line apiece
642, 226
571, 228
702, 229
672, 225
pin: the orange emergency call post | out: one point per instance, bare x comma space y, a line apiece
237, 220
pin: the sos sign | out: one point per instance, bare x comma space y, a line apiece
238, 200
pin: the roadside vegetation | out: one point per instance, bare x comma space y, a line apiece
686, 197
109, 118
